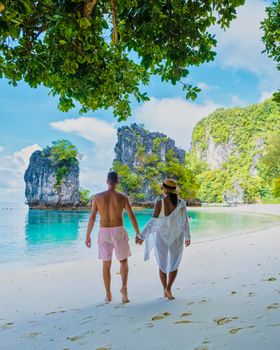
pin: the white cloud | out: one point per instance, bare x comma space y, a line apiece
93, 129
174, 117
206, 87
12, 169
237, 101
241, 45
21, 158
265, 95
98, 160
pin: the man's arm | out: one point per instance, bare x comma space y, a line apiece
91, 222
131, 216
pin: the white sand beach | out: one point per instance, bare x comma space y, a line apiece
227, 297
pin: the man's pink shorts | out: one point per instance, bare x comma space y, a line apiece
110, 238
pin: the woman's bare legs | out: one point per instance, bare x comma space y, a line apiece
171, 279
163, 279
107, 279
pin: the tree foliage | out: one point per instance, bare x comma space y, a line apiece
85, 197
62, 155
63, 151
67, 47
271, 37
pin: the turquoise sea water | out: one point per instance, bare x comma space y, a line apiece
40, 237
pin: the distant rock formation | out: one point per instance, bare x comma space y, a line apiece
145, 154
41, 180
133, 136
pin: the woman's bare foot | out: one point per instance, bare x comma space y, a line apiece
168, 294
108, 298
124, 295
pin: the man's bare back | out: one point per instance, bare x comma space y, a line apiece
110, 205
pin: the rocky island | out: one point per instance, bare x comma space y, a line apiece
143, 159
52, 177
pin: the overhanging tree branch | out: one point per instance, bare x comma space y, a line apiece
89, 7
115, 28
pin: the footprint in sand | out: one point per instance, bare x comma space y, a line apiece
88, 318
85, 322
202, 348
79, 337
224, 320
33, 322
272, 306
251, 294
6, 325
147, 325
274, 325
55, 312
74, 338
271, 279
182, 322
103, 348
233, 292
186, 314
33, 335
160, 317
234, 330
103, 304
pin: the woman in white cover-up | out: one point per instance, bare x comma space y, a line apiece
166, 232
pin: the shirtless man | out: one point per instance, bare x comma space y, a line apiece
112, 234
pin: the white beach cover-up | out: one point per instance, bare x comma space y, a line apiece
166, 234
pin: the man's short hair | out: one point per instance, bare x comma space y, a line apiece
113, 177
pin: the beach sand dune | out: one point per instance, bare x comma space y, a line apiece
227, 297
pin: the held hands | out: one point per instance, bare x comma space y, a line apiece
138, 240
187, 243
88, 241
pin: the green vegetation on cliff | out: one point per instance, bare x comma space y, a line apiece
235, 154
150, 173
62, 154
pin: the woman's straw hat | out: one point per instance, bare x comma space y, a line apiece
171, 186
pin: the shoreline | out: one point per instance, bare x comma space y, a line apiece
273, 209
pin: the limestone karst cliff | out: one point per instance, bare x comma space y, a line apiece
227, 148
51, 184
143, 160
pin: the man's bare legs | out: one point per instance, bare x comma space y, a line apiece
107, 279
171, 278
124, 275
163, 279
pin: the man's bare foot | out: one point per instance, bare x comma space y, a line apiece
168, 294
108, 298
124, 295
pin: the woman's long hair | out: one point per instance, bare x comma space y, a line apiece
173, 198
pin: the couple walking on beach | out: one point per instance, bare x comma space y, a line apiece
167, 232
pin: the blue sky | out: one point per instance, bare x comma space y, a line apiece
240, 75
